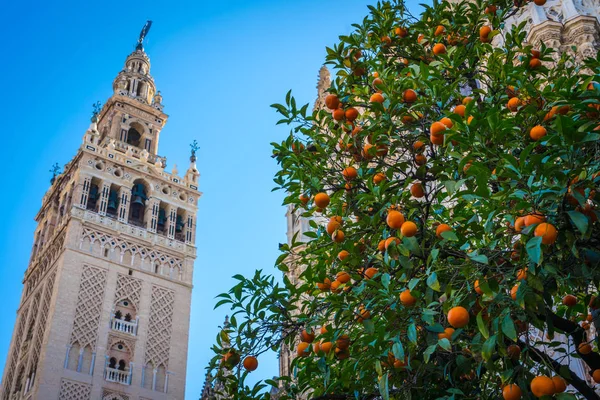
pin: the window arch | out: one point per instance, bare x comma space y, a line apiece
137, 208
135, 133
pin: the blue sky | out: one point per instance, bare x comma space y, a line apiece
219, 65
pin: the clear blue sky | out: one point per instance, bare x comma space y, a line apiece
219, 66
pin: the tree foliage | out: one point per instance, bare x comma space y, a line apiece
505, 151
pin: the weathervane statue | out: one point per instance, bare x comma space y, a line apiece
143, 34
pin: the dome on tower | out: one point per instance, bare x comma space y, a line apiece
135, 80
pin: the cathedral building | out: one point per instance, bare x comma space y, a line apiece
105, 308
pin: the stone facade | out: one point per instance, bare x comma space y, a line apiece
106, 297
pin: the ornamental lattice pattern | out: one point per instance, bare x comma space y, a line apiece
128, 288
71, 390
160, 327
42, 264
11, 364
41, 324
131, 254
89, 307
108, 394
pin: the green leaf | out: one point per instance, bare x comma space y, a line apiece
488, 348
383, 387
580, 221
565, 396
480, 258
398, 350
450, 236
508, 327
482, 326
445, 344
428, 352
534, 249
412, 333
433, 283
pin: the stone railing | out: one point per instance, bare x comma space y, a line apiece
120, 325
118, 376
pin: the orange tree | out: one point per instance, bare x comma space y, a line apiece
458, 181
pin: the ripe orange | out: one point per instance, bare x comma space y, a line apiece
409, 96
377, 98
370, 272
547, 231
335, 286
513, 104
418, 145
342, 354
381, 245
535, 53
439, 30
307, 337
467, 100
343, 342
407, 299
378, 178
332, 102
460, 110
569, 300
420, 159
386, 40
448, 122
485, 31
338, 114
491, 9
363, 314
535, 63
342, 255
322, 200
458, 317
470, 119
534, 218
303, 199
437, 139
350, 173
303, 349
409, 229
584, 348
441, 228
342, 277
325, 286
389, 241
521, 274
250, 363
437, 128
477, 288
512, 392
325, 347
537, 132
395, 219
513, 292
559, 384
338, 236
519, 224
514, 352
334, 223
439, 48
542, 386
351, 114
417, 190
596, 375
447, 334
377, 82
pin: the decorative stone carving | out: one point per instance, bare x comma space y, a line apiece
89, 307
72, 390
159, 327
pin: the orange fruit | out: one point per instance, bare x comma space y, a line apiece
351, 114
303, 349
332, 102
342, 277
376, 83
420, 159
534, 218
470, 119
343, 342
437, 139
376, 98
370, 272
439, 48
521, 274
322, 200
437, 128
467, 100
338, 114
513, 104
585, 325
458, 317
342, 255
341, 354
569, 300
513, 292
386, 40
460, 110
307, 337
389, 241
409, 96
378, 178
491, 9
395, 219
535, 63
447, 122
447, 334
537, 132
584, 348
349, 173
596, 375
542, 386
485, 31
439, 30
519, 224
334, 223
363, 314
335, 286
402, 32
409, 229
250, 363
514, 352
325, 347
535, 53
381, 245
407, 299
324, 286
418, 145
559, 384
511, 392
477, 288
417, 190
338, 236
547, 231
441, 228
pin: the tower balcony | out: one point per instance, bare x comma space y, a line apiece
118, 376
127, 327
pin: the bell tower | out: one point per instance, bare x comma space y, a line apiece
105, 307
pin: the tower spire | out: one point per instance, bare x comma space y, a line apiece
143, 34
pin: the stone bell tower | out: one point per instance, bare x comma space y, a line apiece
105, 307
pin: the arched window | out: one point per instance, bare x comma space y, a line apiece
133, 137
122, 365
139, 195
94, 195
112, 362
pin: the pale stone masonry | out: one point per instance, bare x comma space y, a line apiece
105, 307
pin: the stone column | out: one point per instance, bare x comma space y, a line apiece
104, 192
190, 228
151, 214
124, 195
171, 220
83, 190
